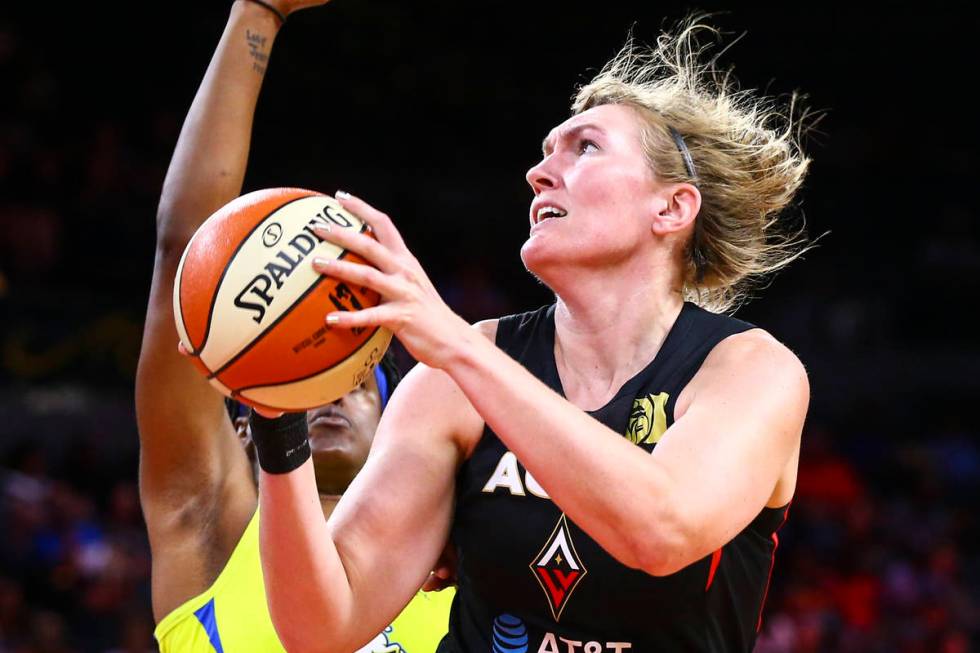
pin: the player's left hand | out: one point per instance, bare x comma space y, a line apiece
411, 307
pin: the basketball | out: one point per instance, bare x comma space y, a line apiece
250, 308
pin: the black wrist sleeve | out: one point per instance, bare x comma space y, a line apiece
281, 444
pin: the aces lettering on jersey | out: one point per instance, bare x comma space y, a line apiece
647, 424
507, 475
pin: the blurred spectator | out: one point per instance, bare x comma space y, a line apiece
890, 571
74, 574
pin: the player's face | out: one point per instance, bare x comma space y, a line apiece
341, 434
595, 171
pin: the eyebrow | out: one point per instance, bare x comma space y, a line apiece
570, 133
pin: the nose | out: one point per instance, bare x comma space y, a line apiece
540, 177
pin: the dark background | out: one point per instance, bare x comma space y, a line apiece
433, 111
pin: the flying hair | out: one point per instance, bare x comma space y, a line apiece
740, 148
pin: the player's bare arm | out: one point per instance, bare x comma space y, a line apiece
195, 484
364, 565
639, 507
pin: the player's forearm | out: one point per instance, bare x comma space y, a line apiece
307, 588
208, 165
608, 486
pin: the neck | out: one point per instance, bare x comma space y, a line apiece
610, 326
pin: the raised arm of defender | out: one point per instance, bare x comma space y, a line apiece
190, 460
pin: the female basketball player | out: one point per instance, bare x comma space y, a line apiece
614, 467
197, 485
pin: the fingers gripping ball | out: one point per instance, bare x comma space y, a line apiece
250, 308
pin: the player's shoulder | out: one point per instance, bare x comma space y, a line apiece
753, 344
757, 353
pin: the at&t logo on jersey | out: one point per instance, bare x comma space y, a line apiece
558, 568
510, 636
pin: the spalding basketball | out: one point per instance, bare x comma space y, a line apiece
250, 308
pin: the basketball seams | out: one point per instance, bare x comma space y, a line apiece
258, 338
330, 382
311, 375
283, 315
231, 260
256, 363
222, 388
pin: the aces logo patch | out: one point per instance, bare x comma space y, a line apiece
648, 419
558, 568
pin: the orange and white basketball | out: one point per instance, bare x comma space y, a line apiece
250, 308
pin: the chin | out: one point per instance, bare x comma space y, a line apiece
329, 447
332, 441
333, 460
534, 254
542, 261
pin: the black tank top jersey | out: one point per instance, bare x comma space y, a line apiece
530, 580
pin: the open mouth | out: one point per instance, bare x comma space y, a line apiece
548, 211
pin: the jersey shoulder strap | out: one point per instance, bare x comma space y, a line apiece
529, 339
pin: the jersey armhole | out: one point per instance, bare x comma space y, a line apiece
195, 603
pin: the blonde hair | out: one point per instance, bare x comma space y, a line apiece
745, 150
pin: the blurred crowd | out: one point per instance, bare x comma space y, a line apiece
879, 554
74, 558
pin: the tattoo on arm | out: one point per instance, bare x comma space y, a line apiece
257, 50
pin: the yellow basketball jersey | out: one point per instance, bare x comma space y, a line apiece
232, 616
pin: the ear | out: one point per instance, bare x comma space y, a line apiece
678, 207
